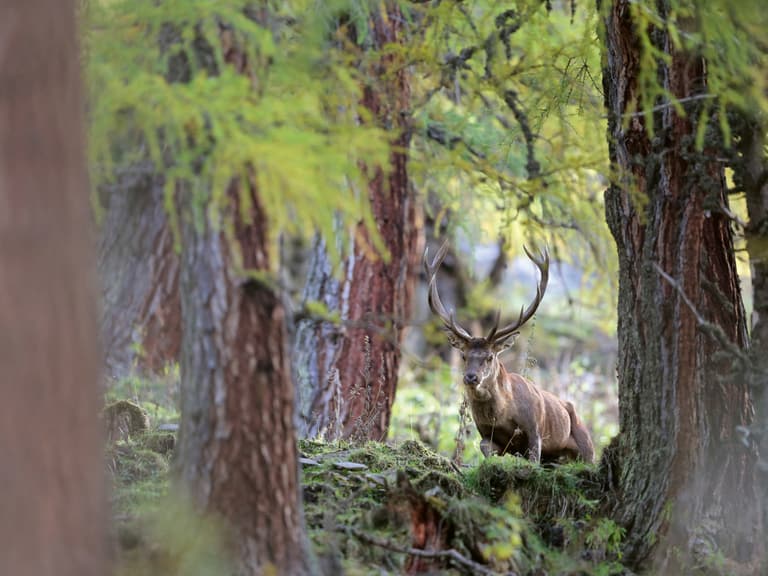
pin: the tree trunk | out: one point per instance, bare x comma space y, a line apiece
347, 373
237, 448
139, 270
753, 173
685, 480
52, 486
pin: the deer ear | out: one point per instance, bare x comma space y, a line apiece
455, 341
506, 342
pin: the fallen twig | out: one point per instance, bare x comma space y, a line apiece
451, 554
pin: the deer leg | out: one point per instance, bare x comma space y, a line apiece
489, 448
534, 446
580, 435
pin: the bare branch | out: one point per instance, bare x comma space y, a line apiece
438, 134
511, 100
714, 331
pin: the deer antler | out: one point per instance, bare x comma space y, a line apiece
435, 304
525, 313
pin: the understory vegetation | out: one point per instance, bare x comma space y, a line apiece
370, 508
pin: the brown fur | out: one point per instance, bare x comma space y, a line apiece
513, 415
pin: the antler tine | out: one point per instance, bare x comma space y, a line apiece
527, 313
495, 327
433, 298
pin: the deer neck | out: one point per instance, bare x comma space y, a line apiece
488, 389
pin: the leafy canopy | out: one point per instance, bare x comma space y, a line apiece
511, 130
290, 121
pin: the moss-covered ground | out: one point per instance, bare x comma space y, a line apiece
367, 505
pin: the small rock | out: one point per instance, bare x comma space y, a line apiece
379, 479
308, 461
344, 465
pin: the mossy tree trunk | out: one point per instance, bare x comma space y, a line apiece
139, 271
686, 483
347, 373
237, 449
52, 485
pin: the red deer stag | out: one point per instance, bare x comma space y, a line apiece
512, 415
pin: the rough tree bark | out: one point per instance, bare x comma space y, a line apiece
684, 479
237, 448
139, 271
752, 171
237, 454
347, 373
52, 500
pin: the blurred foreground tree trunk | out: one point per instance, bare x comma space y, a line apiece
52, 486
347, 371
686, 481
139, 271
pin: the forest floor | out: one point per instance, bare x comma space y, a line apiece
375, 508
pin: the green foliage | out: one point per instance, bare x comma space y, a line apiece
512, 126
728, 35
158, 396
501, 527
172, 540
606, 534
290, 123
155, 528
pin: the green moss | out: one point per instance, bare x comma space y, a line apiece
160, 442
447, 482
140, 467
140, 476
124, 419
570, 489
506, 513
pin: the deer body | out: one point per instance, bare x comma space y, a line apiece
512, 414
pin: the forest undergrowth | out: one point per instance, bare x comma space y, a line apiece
371, 508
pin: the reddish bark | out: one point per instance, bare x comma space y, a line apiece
681, 400
349, 372
237, 443
429, 529
237, 448
52, 486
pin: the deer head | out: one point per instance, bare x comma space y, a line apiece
480, 354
